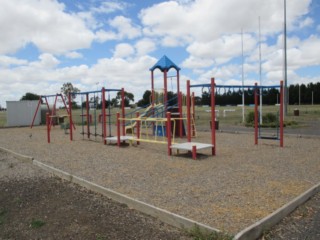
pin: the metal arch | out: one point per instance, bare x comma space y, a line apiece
96, 91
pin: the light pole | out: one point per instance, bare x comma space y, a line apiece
243, 109
285, 95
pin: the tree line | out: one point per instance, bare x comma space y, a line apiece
297, 94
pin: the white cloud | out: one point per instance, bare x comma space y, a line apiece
222, 49
43, 23
46, 61
103, 36
123, 50
110, 6
206, 20
125, 28
73, 55
7, 61
145, 46
307, 22
194, 62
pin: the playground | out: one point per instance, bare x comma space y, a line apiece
230, 191
159, 156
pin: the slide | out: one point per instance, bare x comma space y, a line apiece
145, 113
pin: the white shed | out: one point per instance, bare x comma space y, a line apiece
20, 113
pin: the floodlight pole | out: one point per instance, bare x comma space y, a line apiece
260, 73
285, 92
243, 108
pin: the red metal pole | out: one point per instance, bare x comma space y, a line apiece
138, 127
55, 104
165, 90
118, 129
180, 114
123, 113
213, 118
45, 98
169, 133
70, 116
67, 109
178, 82
87, 113
194, 152
104, 127
48, 127
188, 112
193, 115
281, 114
35, 114
256, 114
152, 88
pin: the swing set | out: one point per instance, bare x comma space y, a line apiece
51, 110
256, 91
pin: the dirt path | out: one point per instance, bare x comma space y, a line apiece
34, 205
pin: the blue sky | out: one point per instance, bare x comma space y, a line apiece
95, 43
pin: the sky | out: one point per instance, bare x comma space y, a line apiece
113, 44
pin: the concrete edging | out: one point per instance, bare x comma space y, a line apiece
164, 215
17, 155
257, 229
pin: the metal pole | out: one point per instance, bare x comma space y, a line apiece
285, 58
213, 118
243, 110
255, 114
260, 73
188, 112
281, 114
299, 95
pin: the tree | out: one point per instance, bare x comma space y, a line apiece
145, 99
69, 88
127, 98
30, 96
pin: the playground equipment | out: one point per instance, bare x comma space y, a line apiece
86, 117
51, 114
89, 120
195, 146
164, 65
256, 91
169, 124
53, 110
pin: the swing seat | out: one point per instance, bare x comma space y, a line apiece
65, 127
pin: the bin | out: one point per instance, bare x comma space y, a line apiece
217, 125
159, 131
296, 112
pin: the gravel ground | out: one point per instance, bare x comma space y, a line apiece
34, 205
230, 191
303, 223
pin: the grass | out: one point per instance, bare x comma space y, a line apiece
197, 234
307, 113
36, 223
3, 213
100, 237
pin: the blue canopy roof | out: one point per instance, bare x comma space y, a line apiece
165, 64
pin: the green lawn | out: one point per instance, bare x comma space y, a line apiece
232, 117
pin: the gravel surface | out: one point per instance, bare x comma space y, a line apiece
303, 223
34, 205
230, 191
